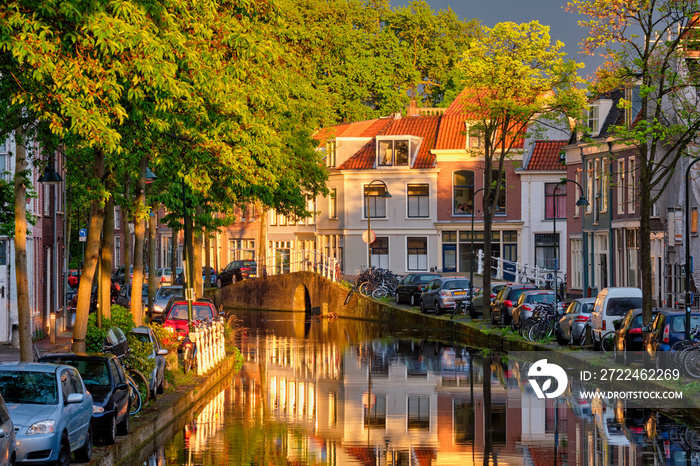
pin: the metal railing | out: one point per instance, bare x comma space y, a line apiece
209, 338
521, 273
301, 261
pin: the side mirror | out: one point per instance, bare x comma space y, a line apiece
162, 352
121, 386
75, 398
646, 328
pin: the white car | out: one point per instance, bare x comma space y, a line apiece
612, 304
164, 277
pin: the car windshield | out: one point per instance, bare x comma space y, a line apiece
540, 298
199, 311
93, 372
621, 306
168, 292
677, 323
515, 294
423, 278
248, 263
29, 387
456, 285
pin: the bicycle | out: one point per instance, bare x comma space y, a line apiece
607, 341
189, 355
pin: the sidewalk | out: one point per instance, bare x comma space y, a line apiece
44, 345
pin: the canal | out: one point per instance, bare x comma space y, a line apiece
348, 392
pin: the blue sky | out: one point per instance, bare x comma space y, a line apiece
563, 25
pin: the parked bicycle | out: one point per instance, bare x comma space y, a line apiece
543, 322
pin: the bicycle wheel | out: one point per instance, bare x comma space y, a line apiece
380, 293
691, 362
188, 360
134, 397
350, 293
141, 383
365, 289
535, 332
526, 326
607, 343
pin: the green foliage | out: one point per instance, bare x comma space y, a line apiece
122, 318
138, 358
95, 337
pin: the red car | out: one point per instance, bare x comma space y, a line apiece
175, 315
74, 278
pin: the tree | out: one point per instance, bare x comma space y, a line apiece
652, 45
512, 76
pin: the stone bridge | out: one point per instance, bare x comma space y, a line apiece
306, 292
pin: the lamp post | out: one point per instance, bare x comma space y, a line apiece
582, 202
51, 177
386, 195
471, 263
187, 263
688, 258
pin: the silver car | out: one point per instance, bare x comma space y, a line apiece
444, 293
156, 379
163, 295
51, 411
573, 323
164, 277
8, 446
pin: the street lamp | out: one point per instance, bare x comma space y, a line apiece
51, 177
471, 266
688, 258
369, 239
582, 202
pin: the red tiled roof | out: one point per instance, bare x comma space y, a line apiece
359, 129
425, 127
546, 155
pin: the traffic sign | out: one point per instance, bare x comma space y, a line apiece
82, 234
369, 234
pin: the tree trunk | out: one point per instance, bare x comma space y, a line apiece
207, 259
487, 205
197, 250
152, 249
23, 311
173, 255
645, 242
139, 237
262, 241
92, 248
106, 260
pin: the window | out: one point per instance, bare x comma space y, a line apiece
632, 255
417, 253
380, 252
621, 186
604, 186
117, 250
554, 200
333, 203
332, 409
241, 249
577, 178
3, 252
393, 152
273, 217
463, 185
631, 195
592, 122
474, 139
311, 207
375, 411
418, 412
577, 264
374, 198
449, 236
418, 196
589, 186
544, 250
330, 154
501, 207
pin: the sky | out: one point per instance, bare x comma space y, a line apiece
563, 25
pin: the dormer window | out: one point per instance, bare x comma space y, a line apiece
592, 120
330, 154
392, 152
474, 139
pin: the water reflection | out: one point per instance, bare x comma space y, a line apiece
357, 393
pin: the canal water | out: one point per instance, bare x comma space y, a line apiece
348, 392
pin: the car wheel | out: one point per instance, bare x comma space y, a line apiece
84, 453
439, 310
512, 325
618, 355
413, 300
218, 283
472, 311
560, 338
422, 307
397, 298
63, 453
571, 338
123, 427
110, 435
161, 385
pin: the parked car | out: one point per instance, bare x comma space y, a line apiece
175, 317
526, 304
667, 328
612, 304
164, 277
476, 306
236, 271
8, 445
51, 411
104, 378
118, 276
629, 336
124, 296
444, 293
74, 278
503, 303
212, 274
156, 379
411, 287
162, 297
573, 323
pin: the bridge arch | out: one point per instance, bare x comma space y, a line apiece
301, 300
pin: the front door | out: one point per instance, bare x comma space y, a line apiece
510, 253
449, 258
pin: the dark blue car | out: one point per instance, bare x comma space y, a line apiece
667, 328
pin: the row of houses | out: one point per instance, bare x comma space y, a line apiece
416, 180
